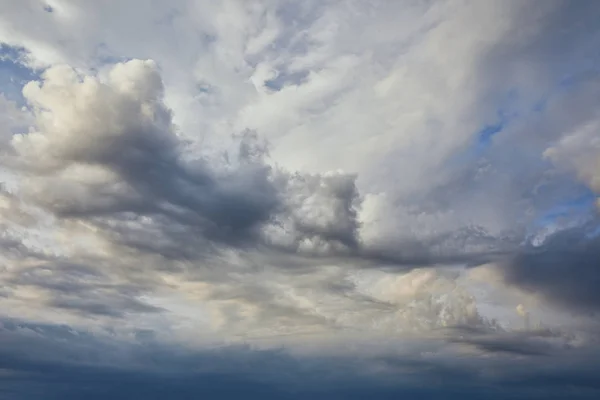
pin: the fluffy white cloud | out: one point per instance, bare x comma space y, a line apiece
109, 147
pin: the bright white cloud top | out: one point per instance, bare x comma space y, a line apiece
285, 199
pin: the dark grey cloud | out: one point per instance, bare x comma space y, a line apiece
469, 245
565, 269
527, 343
84, 289
106, 305
52, 362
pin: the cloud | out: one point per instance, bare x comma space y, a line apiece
530, 343
12, 120
522, 311
382, 69
104, 163
579, 152
106, 151
196, 173
563, 269
69, 364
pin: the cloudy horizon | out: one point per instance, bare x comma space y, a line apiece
299, 199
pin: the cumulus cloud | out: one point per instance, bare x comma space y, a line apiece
105, 150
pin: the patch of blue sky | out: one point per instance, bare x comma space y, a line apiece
14, 74
577, 211
483, 139
510, 108
577, 207
285, 78
485, 135
507, 112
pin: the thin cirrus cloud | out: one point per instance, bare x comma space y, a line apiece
293, 200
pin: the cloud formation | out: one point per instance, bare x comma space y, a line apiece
316, 199
564, 269
106, 151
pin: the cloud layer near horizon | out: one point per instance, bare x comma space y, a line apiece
190, 188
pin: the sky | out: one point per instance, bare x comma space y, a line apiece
318, 199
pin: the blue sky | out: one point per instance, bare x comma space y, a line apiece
299, 200
13, 74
